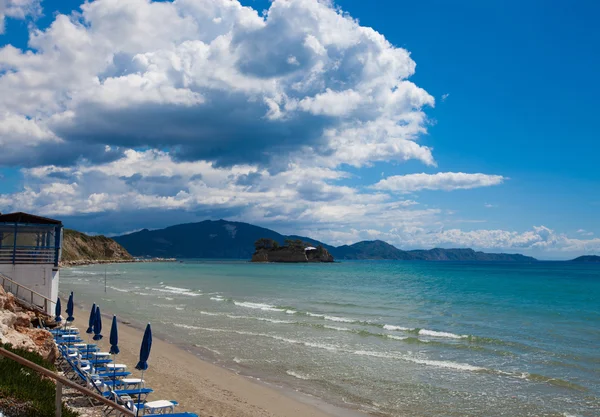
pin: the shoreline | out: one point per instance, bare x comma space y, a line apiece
179, 372
85, 262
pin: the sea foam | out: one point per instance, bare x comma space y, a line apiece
259, 306
433, 333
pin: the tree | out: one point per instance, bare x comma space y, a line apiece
295, 244
265, 243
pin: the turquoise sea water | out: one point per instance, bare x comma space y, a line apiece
394, 338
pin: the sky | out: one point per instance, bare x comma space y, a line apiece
424, 124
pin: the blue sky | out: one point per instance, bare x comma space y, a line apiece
147, 131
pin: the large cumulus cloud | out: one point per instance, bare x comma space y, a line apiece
213, 80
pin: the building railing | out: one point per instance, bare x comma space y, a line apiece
27, 255
27, 295
61, 380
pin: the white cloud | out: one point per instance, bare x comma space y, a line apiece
584, 232
446, 181
489, 205
445, 96
303, 200
18, 9
213, 80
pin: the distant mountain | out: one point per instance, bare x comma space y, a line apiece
235, 240
378, 249
440, 254
207, 239
586, 258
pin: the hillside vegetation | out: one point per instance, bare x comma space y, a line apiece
78, 246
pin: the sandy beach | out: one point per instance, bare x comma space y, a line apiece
205, 388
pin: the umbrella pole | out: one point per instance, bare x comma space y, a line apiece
114, 373
137, 409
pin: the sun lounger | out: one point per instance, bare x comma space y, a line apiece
153, 407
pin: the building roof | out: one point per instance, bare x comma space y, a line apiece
310, 248
20, 217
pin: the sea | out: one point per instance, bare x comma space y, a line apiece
389, 338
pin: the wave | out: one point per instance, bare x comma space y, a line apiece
171, 306
117, 289
216, 352
333, 348
231, 316
177, 291
187, 326
457, 366
334, 318
339, 329
391, 327
439, 364
297, 375
259, 306
433, 333
208, 313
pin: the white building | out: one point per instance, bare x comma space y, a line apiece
30, 250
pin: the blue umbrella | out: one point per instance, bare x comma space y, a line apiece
114, 337
69, 309
57, 310
145, 349
114, 342
98, 325
92, 319
90, 328
144, 355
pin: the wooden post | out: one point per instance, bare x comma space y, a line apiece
58, 399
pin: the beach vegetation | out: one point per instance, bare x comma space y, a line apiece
24, 392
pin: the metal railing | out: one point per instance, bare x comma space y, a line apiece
61, 380
27, 255
27, 295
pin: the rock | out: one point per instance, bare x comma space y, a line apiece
44, 343
15, 328
287, 254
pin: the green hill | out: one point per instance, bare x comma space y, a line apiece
78, 246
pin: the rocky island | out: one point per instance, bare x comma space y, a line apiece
293, 251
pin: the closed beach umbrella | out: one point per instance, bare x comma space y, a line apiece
114, 337
114, 341
92, 319
145, 349
90, 328
144, 355
69, 309
57, 311
98, 325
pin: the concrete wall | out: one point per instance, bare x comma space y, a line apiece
41, 278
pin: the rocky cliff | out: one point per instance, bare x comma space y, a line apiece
81, 248
16, 329
291, 255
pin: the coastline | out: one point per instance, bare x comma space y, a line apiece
176, 372
84, 262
